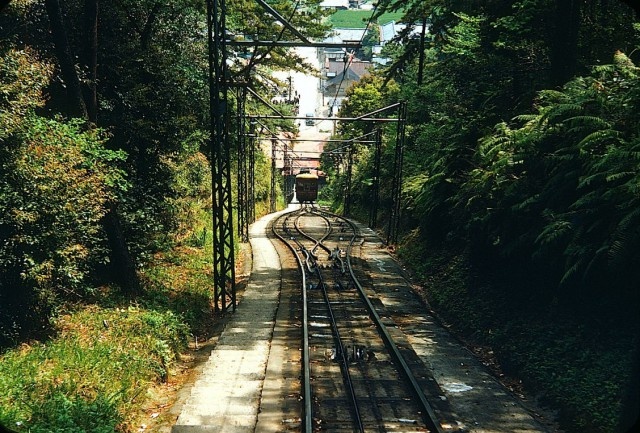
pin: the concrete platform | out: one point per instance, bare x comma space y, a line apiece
226, 397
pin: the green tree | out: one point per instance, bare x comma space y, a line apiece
56, 183
484, 61
149, 65
370, 94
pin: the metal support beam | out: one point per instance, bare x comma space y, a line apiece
283, 21
263, 43
287, 170
347, 192
302, 140
379, 110
272, 198
375, 187
284, 147
223, 250
251, 205
396, 189
242, 172
261, 99
340, 119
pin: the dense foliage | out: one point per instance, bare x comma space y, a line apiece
105, 194
105, 138
521, 162
57, 183
568, 175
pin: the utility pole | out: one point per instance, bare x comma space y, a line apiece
272, 198
223, 248
375, 187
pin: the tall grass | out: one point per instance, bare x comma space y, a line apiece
92, 374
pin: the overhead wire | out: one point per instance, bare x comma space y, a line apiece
282, 143
349, 60
298, 154
347, 64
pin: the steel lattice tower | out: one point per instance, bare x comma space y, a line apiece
223, 250
243, 168
251, 180
396, 188
272, 196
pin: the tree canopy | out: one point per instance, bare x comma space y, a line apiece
522, 151
105, 136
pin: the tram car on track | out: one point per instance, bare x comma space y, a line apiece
306, 187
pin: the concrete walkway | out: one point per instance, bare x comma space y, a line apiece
226, 397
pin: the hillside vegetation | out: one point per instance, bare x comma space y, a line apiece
520, 204
106, 200
358, 19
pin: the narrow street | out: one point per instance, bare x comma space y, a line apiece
307, 86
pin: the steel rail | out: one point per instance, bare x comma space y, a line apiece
318, 242
306, 353
344, 365
429, 415
308, 253
306, 369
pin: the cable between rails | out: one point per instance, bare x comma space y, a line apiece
428, 413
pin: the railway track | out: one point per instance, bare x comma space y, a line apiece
356, 378
308, 352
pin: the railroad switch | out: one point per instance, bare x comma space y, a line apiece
355, 353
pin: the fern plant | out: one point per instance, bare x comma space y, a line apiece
563, 184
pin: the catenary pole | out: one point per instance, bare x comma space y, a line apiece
223, 248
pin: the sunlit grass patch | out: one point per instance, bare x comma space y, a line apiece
358, 19
93, 374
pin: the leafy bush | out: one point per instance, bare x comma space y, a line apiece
56, 181
22, 78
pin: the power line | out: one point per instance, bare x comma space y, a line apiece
349, 59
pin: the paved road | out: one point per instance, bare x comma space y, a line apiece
307, 87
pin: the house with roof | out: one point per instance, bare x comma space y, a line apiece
339, 36
340, 68
388, 32
339, 75
335, 4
